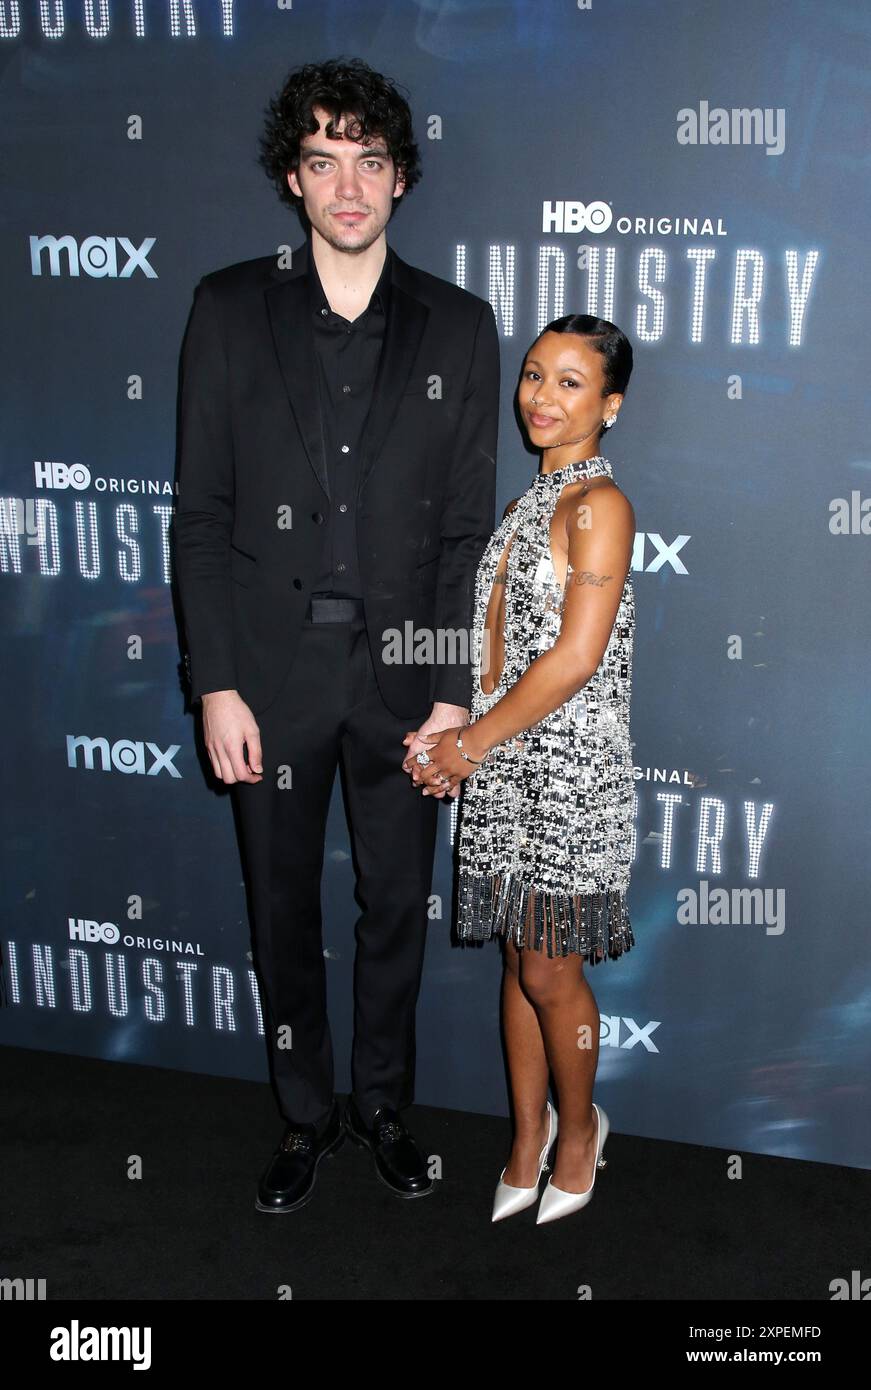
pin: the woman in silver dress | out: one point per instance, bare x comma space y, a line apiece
546, 816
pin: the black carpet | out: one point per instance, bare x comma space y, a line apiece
665, 1221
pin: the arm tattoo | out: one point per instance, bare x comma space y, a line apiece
588, 577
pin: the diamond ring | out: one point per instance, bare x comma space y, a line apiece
423, 758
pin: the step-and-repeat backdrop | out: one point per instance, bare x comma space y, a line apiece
697, 173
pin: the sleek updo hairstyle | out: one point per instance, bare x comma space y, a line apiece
608, 340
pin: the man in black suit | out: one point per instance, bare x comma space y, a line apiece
338, 423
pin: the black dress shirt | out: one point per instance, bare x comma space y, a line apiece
347, 355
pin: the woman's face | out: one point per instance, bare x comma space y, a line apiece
564, 376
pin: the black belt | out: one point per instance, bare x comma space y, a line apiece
334, 610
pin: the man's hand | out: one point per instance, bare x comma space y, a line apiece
228, 724
447, 764
421, 740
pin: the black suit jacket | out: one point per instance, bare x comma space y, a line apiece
253, 490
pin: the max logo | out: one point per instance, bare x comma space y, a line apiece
665, 553
97, 256
611, 1026
124, 755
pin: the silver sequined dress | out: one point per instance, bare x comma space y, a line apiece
546, 821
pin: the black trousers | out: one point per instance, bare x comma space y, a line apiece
330, 710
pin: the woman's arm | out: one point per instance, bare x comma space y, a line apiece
599, 556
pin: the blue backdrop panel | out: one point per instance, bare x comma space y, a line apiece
575, 160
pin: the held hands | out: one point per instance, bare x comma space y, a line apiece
232, 739
446, 760
443, 716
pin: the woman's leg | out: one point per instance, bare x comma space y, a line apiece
569, 1021
527, 1071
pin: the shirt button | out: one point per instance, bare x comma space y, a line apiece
346, 389
342, 507
340, 567
324, 312
346, 448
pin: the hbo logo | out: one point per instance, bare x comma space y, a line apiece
575, 217
60, 475
83, 930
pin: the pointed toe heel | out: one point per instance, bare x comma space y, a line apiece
556, 1203
509, 1200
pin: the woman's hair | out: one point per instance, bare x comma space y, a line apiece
343, 87
606, 338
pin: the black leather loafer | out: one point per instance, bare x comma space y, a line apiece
398, 1161
289, 1180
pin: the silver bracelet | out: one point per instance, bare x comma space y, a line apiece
467, 756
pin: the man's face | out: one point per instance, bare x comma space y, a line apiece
347, 187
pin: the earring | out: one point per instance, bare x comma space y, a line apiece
609, 422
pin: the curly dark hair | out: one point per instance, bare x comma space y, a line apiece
343, 87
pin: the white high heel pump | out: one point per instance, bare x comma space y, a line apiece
554, 1201
509, 1200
